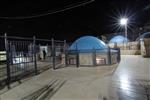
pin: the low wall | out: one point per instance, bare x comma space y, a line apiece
130, 52
129, 46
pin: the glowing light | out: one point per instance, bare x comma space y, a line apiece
123, 21
2, 55
128, 16
100, 60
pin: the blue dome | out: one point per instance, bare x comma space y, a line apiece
118, 39
144, 35
88, 43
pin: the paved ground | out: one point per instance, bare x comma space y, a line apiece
129, 81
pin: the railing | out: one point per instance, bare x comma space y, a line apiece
93, 57
25, 56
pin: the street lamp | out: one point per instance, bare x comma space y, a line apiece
124, 21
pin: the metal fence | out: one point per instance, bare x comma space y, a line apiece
94, 57
21, 57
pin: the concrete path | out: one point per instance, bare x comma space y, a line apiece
130, 81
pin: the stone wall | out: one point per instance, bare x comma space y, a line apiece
130, 52
130, 48
126, 46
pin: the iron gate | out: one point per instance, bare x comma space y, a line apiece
25, 56
20, 58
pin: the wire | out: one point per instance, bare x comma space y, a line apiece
68, 7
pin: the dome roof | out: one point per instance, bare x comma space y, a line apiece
144, 35
87, 43
118, 39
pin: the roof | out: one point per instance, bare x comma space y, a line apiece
119, 39
144, 35
88, 43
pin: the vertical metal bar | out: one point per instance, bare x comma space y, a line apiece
24, 55
77, 56
109, 56
119, 56
31, 56
15, 55
65, 45
19, 57
10, 57
94, 57
8, 66
34, 51
65, 52
77, 59
39, 52
53, 53
66, 58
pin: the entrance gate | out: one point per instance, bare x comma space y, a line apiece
20, 58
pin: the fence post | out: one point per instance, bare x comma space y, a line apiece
77, 56
34, 51
119, 56
8, 66
66, 58
65, 52
53, 53
109, 56
65, 45
77, 59
94, 57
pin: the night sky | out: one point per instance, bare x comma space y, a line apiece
95, 18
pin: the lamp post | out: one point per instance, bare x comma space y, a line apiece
123, 22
